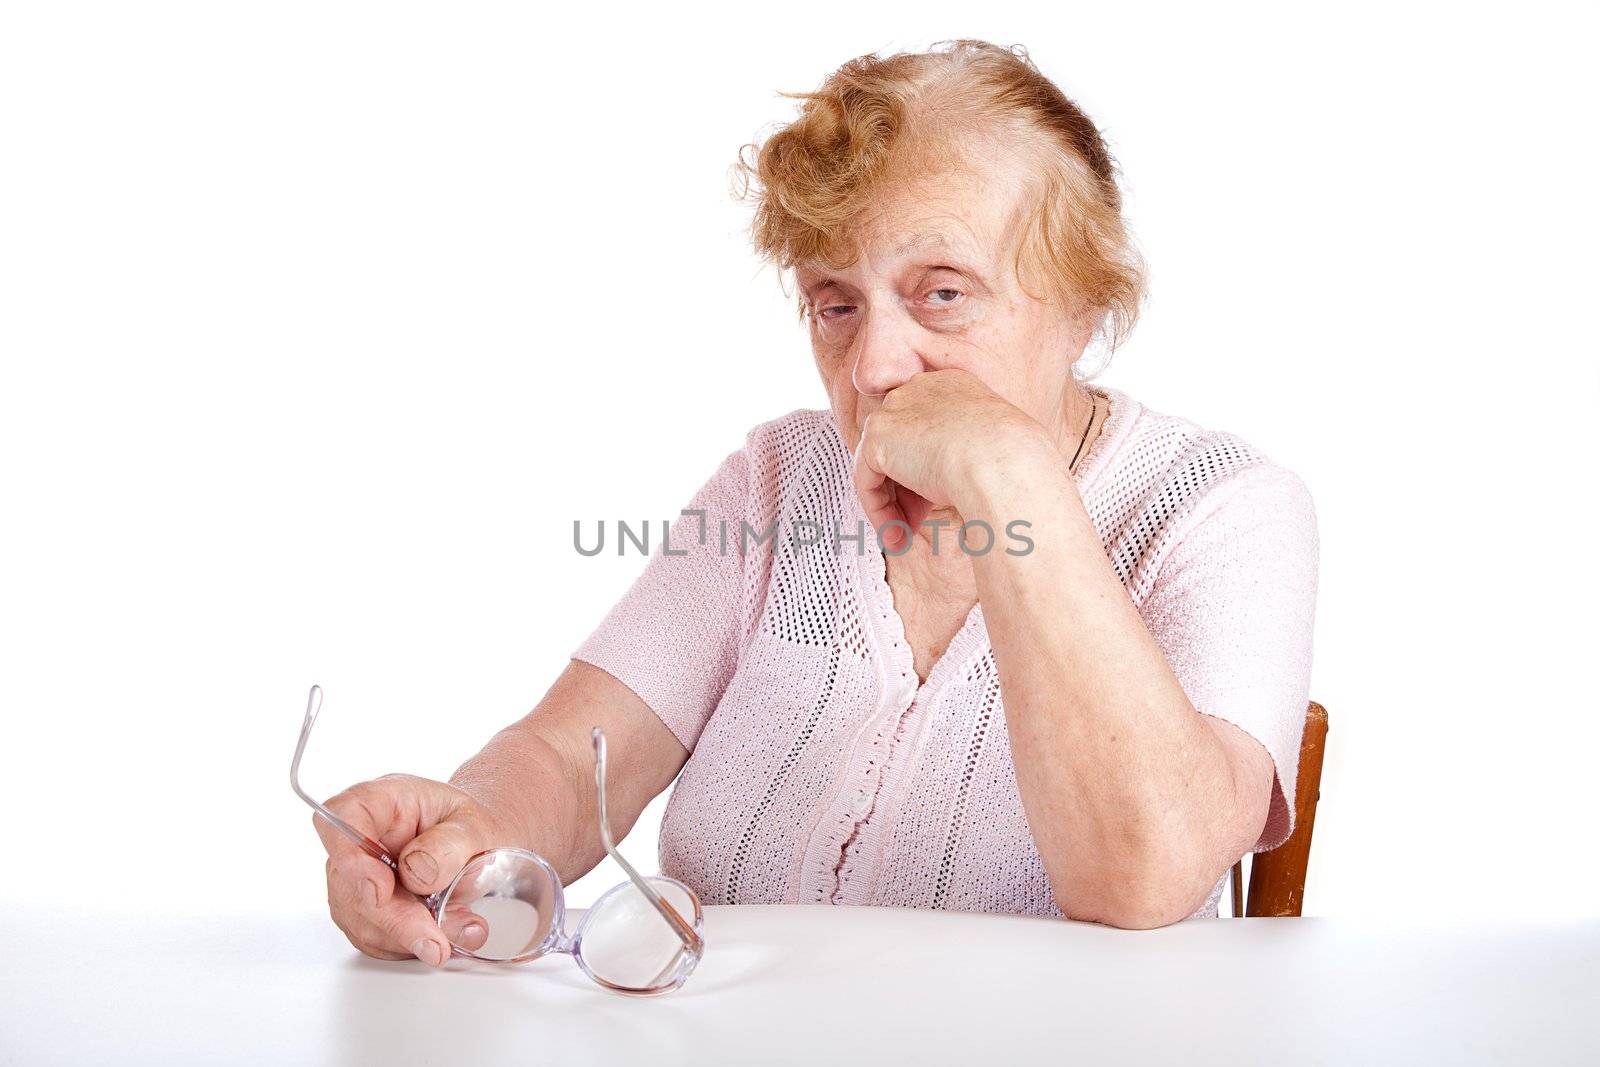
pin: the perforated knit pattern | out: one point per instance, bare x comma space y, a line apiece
821, 772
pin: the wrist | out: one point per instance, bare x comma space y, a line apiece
1015, 473
518, 787
488, 810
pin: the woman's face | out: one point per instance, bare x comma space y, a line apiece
934, 289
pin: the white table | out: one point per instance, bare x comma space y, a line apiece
815, 985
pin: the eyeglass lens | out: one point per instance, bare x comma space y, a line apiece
502, 906
624, 941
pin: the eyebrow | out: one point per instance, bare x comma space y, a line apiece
932, 239
927, 237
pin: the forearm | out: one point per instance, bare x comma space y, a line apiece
1120, 779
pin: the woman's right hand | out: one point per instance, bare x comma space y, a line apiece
431, 829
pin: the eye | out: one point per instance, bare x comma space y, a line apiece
823, 313
956, 295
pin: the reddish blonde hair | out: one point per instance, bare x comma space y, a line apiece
877, 120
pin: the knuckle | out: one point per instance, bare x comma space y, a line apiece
342, 804
379, 928
354, 796
387, 925
342, 880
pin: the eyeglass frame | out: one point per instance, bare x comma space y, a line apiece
557, 940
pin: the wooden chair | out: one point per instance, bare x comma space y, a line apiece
1278, 877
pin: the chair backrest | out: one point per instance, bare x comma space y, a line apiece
1278, 877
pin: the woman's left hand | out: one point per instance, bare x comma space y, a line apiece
931, 441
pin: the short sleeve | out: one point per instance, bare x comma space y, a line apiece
1232, 609
674, 636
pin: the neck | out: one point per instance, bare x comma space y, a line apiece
1078, 409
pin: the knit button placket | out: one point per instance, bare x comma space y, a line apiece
855, 860
860, 807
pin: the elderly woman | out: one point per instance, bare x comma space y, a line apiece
980, 636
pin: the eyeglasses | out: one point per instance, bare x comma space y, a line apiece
634, 940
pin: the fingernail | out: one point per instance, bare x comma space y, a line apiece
371, 889
422, 867
427, 951
472, 930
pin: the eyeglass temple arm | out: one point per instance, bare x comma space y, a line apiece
368, 845
686, 933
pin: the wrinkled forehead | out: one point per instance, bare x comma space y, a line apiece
971, 215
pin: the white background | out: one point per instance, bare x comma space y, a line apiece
321, 323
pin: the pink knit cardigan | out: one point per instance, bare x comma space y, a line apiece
819, 769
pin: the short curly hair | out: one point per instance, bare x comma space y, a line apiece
877, 119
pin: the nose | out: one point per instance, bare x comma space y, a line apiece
887, 354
